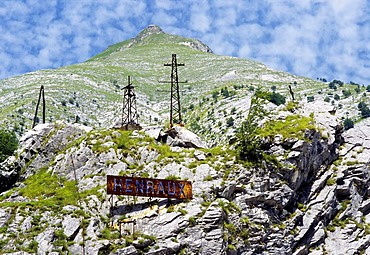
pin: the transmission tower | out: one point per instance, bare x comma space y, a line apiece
129, 110
41, 94
175, 106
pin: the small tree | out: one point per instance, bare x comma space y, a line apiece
249, 144
364, 109
358, 89
233, 110
276, 98
215, 95
225, 92
348, 123
230, 122
365, 112
310, 99
346, 93
332, 86
8, 144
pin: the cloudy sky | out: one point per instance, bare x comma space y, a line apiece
312, 38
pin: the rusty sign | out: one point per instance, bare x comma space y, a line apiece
148, 187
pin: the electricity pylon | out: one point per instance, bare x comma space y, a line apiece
175, 105
129, 110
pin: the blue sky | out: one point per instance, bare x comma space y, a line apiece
312, 38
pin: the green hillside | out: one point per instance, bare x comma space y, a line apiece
92, 90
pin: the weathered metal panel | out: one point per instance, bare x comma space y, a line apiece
148, 187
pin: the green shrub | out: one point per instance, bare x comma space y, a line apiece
276, 98
346, 93
364, 109
348, 124
291, 106
310, 99
8, 144
230, 122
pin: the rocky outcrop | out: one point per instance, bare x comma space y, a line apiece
177, 136
312, 201
37, 148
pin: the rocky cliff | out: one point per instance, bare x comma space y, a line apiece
313, 199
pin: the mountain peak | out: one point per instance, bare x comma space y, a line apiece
154, 30
151, 29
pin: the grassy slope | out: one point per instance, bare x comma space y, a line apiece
88, 89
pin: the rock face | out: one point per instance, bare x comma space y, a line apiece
181, 137
315, 201
37, 149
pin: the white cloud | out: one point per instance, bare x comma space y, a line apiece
309, 37
200, 19
163, 18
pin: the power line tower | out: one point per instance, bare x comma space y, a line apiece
175, 106
41, 94
129, 110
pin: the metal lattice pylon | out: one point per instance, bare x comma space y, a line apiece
175, 106
129, 110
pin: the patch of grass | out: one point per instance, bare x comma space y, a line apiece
109, 234
192, 221
293, 126
302, 207
229, 207
5, 196
193, 164
94, 191
182, 211
164, 151
171, 208
245, 220
3, 242
205, 205
49, 189
172, 177
336, 222
208, 178
32, 247
330, 182
291, 106
231, 247
351, 163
